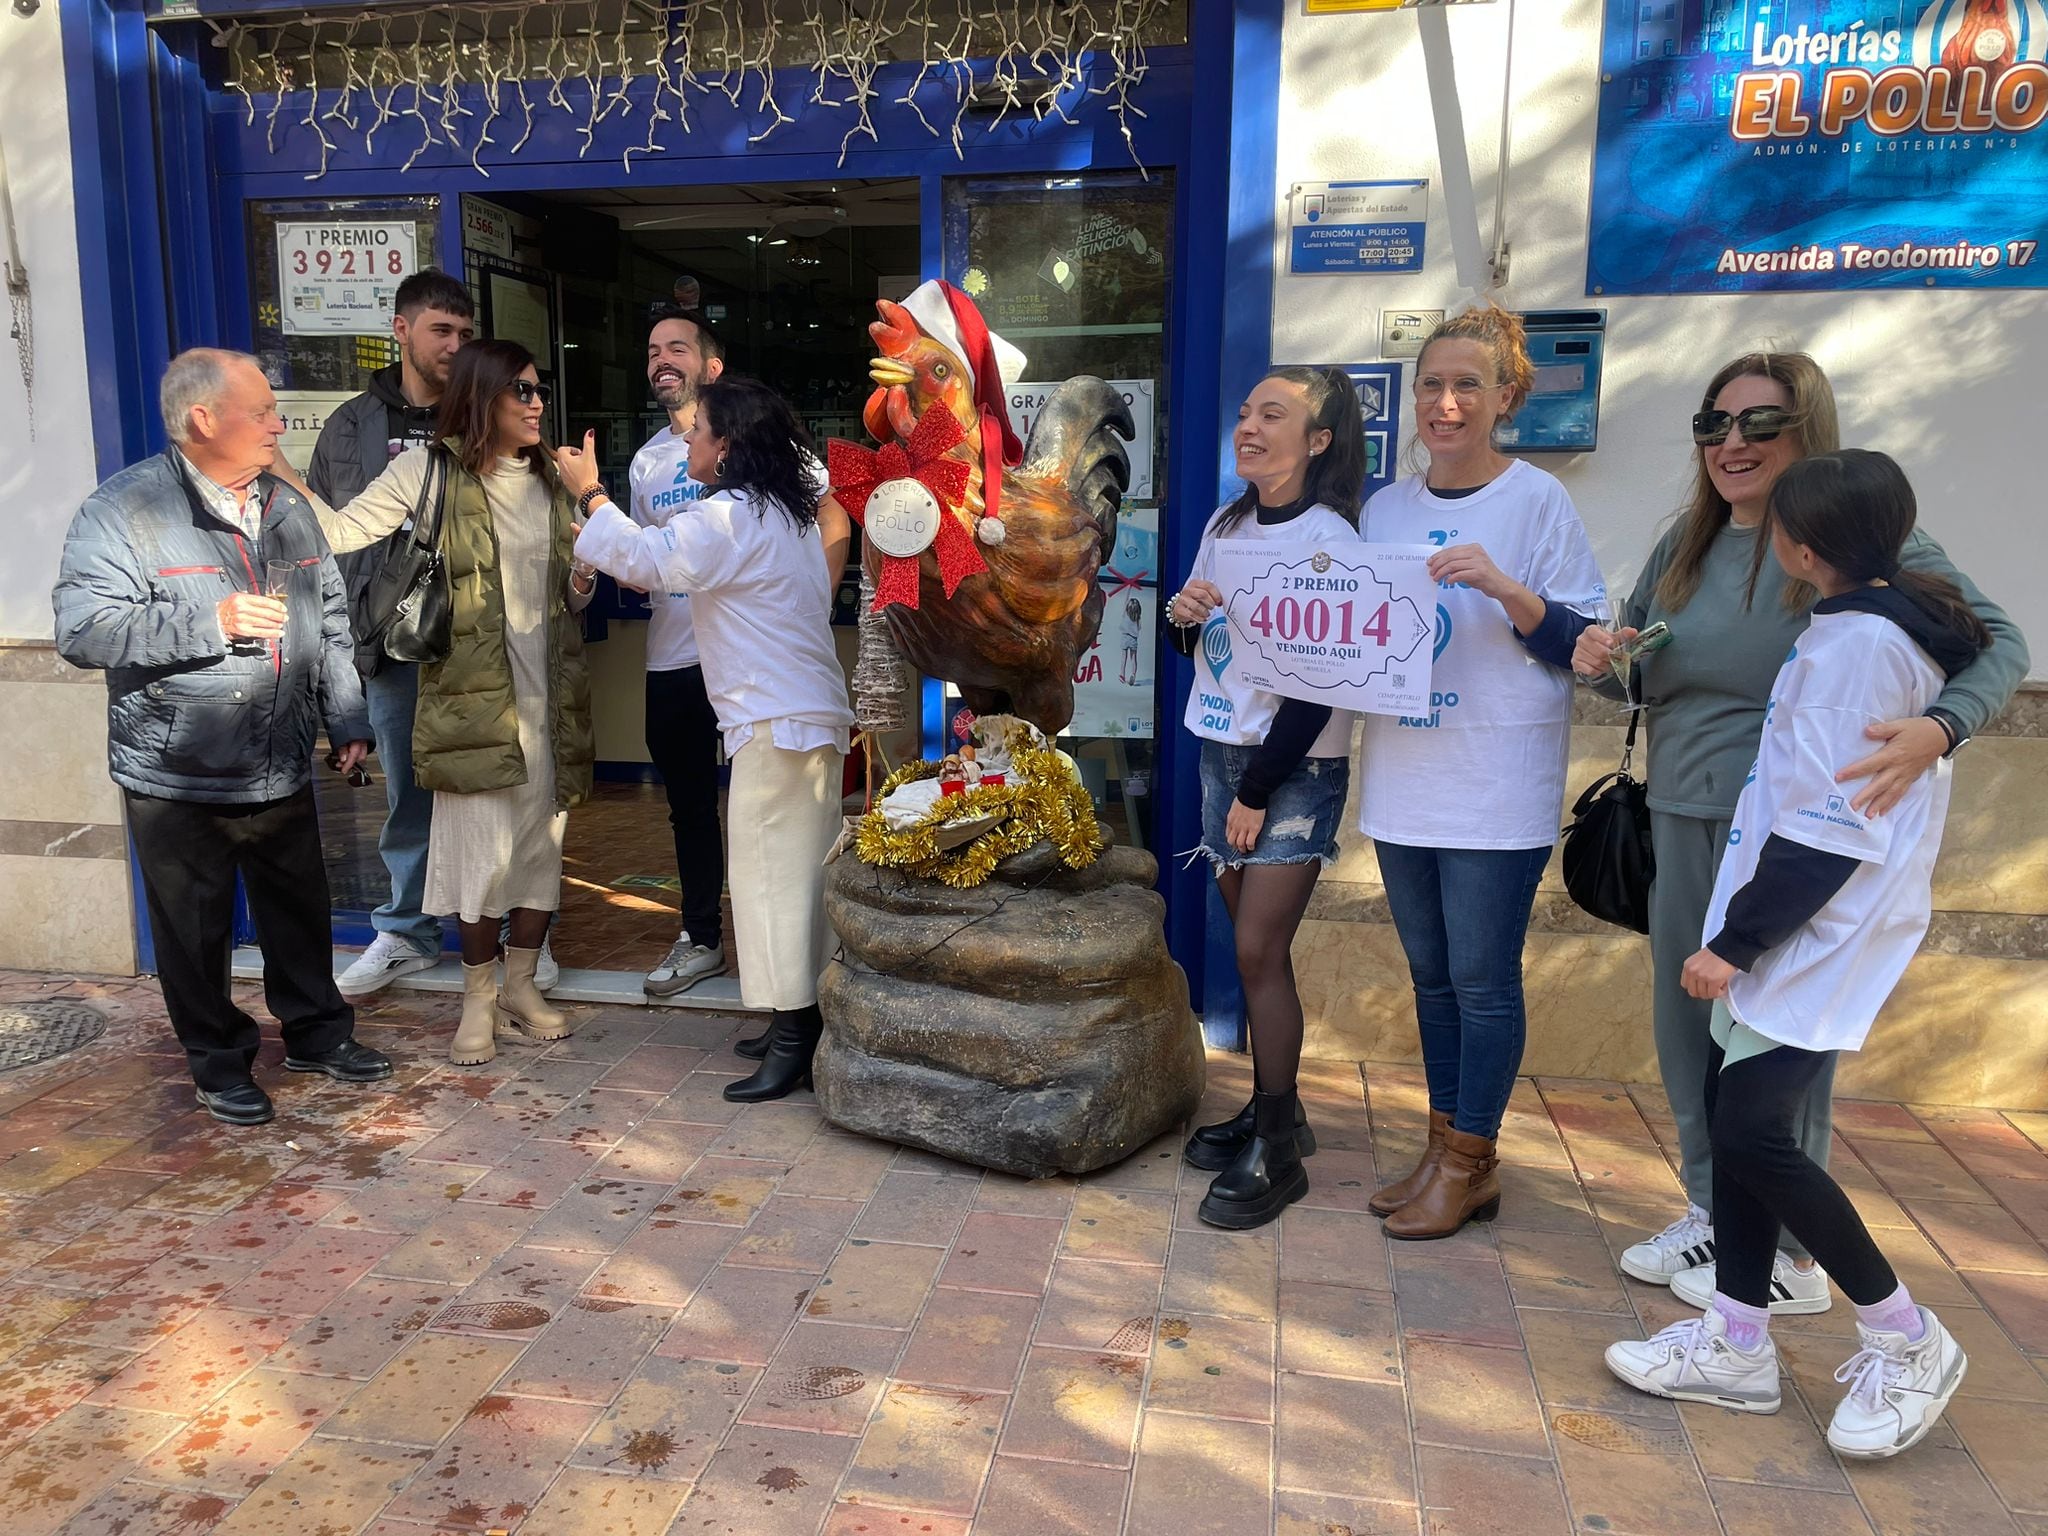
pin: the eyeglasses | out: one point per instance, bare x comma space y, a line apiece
527, 392
1759, 424
1464, 390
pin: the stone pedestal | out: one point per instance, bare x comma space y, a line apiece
1034, 1025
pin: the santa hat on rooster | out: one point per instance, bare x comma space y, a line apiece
952, 319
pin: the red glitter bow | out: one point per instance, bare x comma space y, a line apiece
856, 473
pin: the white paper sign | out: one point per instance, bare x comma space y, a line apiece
305, 413
486, 228
1027, 400
340, 277
1349, 625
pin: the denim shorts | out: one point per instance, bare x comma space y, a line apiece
1301, 818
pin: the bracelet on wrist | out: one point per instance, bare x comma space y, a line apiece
583, 502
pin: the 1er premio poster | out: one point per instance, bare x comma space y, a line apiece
1769, 145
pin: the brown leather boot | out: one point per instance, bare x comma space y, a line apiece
1464, 1187
1394, 1196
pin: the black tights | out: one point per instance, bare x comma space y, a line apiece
1763, 1178
1266, 903
528, 927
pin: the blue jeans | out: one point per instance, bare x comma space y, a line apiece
393, 694
1462, 914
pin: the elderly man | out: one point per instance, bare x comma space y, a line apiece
200, 582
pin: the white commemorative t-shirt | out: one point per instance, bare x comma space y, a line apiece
1221, 708
1821, 989
662, 487
1485, 767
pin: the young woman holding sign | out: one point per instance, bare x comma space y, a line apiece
1274, 772
1463, 803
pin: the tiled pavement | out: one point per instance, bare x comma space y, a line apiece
576, 1292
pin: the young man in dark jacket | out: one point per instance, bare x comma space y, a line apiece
201, 584
433, 318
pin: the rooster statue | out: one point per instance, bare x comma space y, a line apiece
1003, 600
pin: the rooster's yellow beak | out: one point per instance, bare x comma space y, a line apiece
887, 371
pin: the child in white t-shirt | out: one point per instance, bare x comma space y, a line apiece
1128, 631
1816, 911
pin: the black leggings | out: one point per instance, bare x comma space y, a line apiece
1763, 1178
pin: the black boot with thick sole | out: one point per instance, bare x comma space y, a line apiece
1214, 1148
1267, 1175
792, 1041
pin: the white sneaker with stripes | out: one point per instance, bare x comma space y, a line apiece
1693, 1362
1793, 1290
1686, 1244
1897, 1390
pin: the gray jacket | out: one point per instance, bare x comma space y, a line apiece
146, 563
355, 447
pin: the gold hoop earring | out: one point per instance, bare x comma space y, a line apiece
718, 469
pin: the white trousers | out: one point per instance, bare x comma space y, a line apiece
781, 817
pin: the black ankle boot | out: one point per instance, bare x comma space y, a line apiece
786, 1067
1215, 1147
754, 1047
1266, 1176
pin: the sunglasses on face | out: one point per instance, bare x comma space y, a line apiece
526, 392
1759, 424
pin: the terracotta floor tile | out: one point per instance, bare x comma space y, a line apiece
1154, 1167
1051, 1498
486, 1134
493, 1469
1334, 1248
1919, 1171
428, 1388
1075, 1407
726, 1190
974, 1340
1541, 1200
119, 1244
873, 1520
47, 1378
795, 1232
590, 1349
1320, 1514
536, 1174
700, 1100
776, 1133
738, 1315
362, 1328
926, 1448
332, 1485
596, 1216
996, 1252
585, 1503
72, 1460
237, 1441
1200, 1477
1465, 1301
1474, 1398
55, 1160
1231, 1274
1636, 1475
1334, 1330
600, 1118
1101, 1306
27, 1312
839, 1168
657, 1152
1984, 1142
1124, 1228
407, 1199
141, 1509
824, 1378
456, 1248
2019, 1302
155, 1302
1470, 1494
303, 1278
668, 1419
1565, 1353
1340, 1180
2026, 1199
519, 1294
653, 1069
2006, 1440
183, 1372
1343, 1437
1569, 1270
1930, 1488
1221, 1367
916, 1208
664, 1262
880, 1284
1026, 1197
1979, 1236
768, 1480
1787, 1448
1749, 1510
1997, 1369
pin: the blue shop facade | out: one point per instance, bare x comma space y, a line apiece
1100, 177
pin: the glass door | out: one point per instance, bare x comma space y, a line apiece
1075, 270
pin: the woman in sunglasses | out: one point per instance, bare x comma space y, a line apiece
1706, 695
502, 732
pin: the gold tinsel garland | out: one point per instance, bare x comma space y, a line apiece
1050, 805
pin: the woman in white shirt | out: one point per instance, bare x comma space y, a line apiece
748, 556
1463, 803
1274, 772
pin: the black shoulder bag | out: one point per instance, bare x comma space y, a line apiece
1607, 858
405, 610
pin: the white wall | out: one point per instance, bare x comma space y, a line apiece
42, 478
1942, 379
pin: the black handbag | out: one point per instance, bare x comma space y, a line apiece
405, 611
1607, 857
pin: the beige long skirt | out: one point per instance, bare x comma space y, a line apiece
782, 815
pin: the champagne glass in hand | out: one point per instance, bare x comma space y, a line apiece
277, 583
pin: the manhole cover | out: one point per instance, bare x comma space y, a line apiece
33, 1032
1604, 1432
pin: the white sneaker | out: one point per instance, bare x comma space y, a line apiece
1793, 1290
545, 972
1693, 1362
683, 967
1686, 1244
388, 958
1896, 1390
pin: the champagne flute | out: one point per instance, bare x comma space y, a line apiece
277, 583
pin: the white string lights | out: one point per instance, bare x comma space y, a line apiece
473, 76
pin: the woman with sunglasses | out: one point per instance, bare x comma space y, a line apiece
502, 734
1706, 695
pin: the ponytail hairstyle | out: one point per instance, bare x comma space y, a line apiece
1336, 476
1854, 509
1506, 340
1813, 423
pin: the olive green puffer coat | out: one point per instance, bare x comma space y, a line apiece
466, 730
